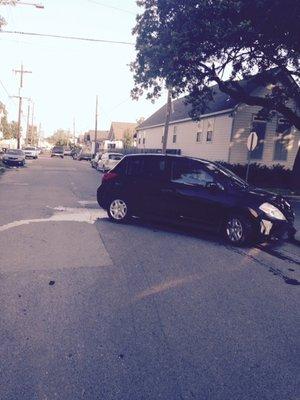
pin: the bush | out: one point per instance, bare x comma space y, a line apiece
276, 176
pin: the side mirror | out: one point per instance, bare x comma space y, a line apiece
215, 187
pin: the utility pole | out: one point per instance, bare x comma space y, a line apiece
32, 120
96, 125
168, 116
21, 72
27, 125
74, 132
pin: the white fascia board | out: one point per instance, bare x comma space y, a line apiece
189, 119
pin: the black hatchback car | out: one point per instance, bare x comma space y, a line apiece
196, 192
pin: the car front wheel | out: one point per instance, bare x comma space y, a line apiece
238, 230
118, 210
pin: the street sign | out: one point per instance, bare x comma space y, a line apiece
252, 141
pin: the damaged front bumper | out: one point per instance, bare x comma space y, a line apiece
276, 229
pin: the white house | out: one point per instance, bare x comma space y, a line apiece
222, 132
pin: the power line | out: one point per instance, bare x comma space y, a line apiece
112, 7
67, 37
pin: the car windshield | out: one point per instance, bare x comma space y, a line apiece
234, 179
58, 149
15, 152
29, 148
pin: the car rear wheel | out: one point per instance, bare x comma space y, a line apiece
118, 210
238, 230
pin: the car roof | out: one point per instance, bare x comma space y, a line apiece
174, 156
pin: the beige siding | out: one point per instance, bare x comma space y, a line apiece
186, 134
242, 127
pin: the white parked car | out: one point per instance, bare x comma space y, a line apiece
14, 157
31, 152
108, 161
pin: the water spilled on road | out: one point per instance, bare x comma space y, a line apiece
62, 214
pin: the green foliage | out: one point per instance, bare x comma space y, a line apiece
127, 138
190, 45
275, 176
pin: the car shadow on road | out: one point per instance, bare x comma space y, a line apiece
271, 248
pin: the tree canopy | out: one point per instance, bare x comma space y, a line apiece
190, 45
60, 137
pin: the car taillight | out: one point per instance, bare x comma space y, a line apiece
109, 176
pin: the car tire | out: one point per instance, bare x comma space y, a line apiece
118, 210
238, 230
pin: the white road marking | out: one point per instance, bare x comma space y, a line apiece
87, 202
62, 214
15, 183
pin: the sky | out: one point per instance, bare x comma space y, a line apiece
66, 74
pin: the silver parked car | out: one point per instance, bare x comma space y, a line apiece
14, 157
109, 161
31, 152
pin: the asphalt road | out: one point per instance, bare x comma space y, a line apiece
96, 310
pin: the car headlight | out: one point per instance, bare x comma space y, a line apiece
272, 211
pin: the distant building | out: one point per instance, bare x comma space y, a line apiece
124, 131
90, 136
222, 132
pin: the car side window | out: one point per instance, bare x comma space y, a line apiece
135, 166
154, 167
190, 172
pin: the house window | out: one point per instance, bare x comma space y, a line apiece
144, 140
259, 127
209, 136
198, 137
139, 140
209, 130
174, 138
282, 140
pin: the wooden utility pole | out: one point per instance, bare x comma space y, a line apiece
96, 125
167, 122
27, 125
21, 72
74, 132
32, 121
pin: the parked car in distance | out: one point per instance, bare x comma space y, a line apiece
84, 155
31, 152
195, 192
57, 151
14, 157
108, 161
94, 160
67, 151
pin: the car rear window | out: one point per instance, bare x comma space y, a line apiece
58, 149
